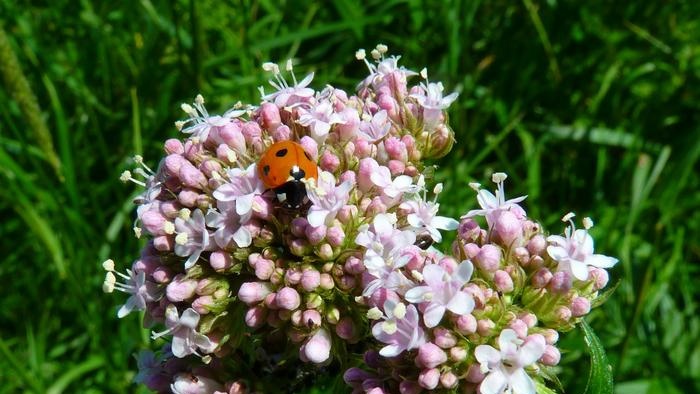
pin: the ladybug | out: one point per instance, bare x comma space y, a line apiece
283, 167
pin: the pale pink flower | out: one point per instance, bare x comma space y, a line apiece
424, 218
392, 188
187, 383
504, 368
243, 187
228, 225
186, 340
574, 253
377, 128
492, 205
442, 292
200, 123
192, 238
400, 329
327, 199
319, 119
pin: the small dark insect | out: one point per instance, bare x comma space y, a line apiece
423, 241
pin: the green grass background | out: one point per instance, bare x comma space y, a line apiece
590, 106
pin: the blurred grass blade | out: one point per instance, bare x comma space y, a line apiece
543, 389
600, 378
22, 93
22, 374
74, 373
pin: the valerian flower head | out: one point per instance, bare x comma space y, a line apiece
319, 119
443, 292
505, 368
423, 217
574, 252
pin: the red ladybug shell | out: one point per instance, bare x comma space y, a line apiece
286, 161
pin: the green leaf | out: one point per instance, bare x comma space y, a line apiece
541, 388
600, 378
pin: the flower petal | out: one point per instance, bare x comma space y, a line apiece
486, 354
391, 350
461, 303
494, 383
316, 216
433, 314
532, 350
189, 318
243, 237
601, 261
444, 223
415, 295
434, 276
579, 269
464, 271
521, 382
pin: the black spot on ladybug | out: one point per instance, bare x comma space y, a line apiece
266, 170
281, 153
308, 156
297, 173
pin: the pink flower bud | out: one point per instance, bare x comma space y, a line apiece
448, 380
485, 327
264, 269
472, 250
253, 292
537, 245
180, 288
376, 207
529, 319
311, 318
376, 390
508, 228
551, 355
348, 176
351, 125
522, 255
396, 149
444, 338
173, 162
355, 376
353, 266
335, 236
551, 336
269, 116
298, 226
430, 355
310, 279
474, 374
203, 304
282, 133
310, 146
519, 327
448, 263
191, 176
220, 260
458, 354
251, 131
396, 167
237, 387
367, 167
429, 378
363, 148
270, 301
162, 275
315, 234
230, 134
170, 209
466, 324
188, 198
416, 260
317, 349
560, 283
468, 230
600, 276
327, 282
541, 278
288, 298
580, 306
174, 146
563, 314
292, 276
164, 243
503, 281
489, 258
347, 213
325, 252
346, 329
329, 161
299, 247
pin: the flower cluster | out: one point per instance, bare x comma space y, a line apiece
243, 283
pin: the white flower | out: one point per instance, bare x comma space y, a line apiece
285, 95
319, 119
391, 188
192, 238
186, 339
492, 205
574, 252
423, 217
135, 284
200, 122
327, 199
228, 226
242, 188
384, 254
504, 369
377, 128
